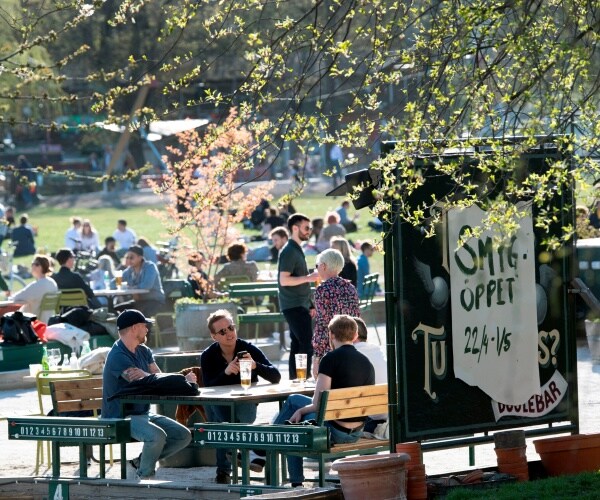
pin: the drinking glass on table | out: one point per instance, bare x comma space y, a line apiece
54, 357
246, 373
119, 279
301, 367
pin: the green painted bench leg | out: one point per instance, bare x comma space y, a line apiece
321, 470
55, 459
272, 469
82, 462
123, 461
102, 461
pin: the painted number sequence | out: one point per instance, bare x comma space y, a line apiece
252, 437
61, 431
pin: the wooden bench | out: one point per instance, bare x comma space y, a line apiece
306, 441
262, 317
84, 395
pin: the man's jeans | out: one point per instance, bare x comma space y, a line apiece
293, 403
244, 414
301, 332
162, 437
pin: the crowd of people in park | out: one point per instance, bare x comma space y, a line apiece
320, 306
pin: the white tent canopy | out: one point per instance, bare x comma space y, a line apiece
159, 129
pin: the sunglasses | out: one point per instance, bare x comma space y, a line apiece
35, 264
223, 331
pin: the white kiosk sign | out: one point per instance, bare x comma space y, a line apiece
494, 322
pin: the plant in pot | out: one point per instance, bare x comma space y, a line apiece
203, 205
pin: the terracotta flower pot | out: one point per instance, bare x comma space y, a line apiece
373, 476
413, 449
569, 454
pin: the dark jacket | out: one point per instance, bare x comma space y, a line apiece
65, 278
23, 237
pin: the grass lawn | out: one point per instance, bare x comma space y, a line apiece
52, 224
584, 486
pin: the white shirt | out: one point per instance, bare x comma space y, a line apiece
32, 295
73, 239
91, 242
126, 238
377, 359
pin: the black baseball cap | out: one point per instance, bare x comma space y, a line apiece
130, 317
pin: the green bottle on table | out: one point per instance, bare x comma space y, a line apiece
45, 365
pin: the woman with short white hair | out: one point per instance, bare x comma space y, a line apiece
334, 295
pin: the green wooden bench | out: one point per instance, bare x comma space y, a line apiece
252, 284
306, 441
73, 431
260, 317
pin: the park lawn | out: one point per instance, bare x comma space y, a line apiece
585, 486
52, 224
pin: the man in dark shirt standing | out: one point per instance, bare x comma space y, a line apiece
340, 368
65, 278
295, 296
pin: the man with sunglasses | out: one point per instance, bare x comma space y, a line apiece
220, 364
295, 295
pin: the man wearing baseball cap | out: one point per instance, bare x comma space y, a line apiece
130, 360
142, 274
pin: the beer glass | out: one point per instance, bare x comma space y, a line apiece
119, 279
301, 367
246, 373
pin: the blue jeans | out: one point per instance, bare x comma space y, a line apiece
300, 324
162, 437
293, 403
244, 414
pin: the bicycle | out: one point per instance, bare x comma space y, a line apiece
167, 267
7, 269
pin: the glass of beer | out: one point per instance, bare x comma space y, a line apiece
119, 279
301, 367
246, 373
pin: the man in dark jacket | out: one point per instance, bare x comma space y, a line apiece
65, 278
131, 362
23, 238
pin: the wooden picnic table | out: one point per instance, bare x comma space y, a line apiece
230, 396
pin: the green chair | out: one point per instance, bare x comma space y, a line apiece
48, 306
72, 297
174, 289
42, 382
366, 301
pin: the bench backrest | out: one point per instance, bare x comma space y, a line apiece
360, 401
77, 395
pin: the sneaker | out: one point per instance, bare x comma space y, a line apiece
135, 463
223, 478
132, 474
257, 463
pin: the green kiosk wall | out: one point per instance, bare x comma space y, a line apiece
484, 337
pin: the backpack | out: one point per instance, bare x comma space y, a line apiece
17, 329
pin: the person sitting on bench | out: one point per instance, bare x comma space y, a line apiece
130, 363
340, 368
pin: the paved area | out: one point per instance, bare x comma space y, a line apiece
18, 458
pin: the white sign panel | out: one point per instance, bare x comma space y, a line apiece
494, 321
